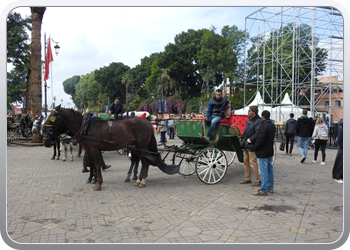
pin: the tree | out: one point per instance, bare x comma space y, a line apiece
110, 78
69, 85
86, 90
35, 92
181, 58
18, 53
126, 81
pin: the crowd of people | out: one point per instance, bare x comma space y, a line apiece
257, 139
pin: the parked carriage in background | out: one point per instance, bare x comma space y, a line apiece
18, 126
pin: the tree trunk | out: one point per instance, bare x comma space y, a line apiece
28, 100
36, 82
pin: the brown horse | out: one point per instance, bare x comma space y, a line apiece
109, 135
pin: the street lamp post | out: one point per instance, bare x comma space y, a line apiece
57, 50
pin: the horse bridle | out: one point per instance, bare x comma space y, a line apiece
52, 127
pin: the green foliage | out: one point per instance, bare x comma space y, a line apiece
110, 78
70, 84
16, 85
83, 94
152, 83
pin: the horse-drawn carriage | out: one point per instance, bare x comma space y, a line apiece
209, 159
18, 126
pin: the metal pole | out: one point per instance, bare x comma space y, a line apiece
45, 83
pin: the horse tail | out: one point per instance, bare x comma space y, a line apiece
156, 160
152, 146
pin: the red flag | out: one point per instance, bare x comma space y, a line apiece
48, 59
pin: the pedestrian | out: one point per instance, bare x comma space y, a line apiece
135, 160
116, 108
337, 172
304, 129
264, 152
171, 127
248, 140
216, 111
320, 135
87, 163
162, 129
289, 133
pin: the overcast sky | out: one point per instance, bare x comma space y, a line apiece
94, 37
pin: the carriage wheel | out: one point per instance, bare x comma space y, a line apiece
186, 162
211, 165
12, 135
230, 156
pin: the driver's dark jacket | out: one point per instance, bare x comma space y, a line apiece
117, 108
250, 132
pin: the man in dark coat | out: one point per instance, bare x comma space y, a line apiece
247, 144
337, 172
264, 153
116, 108
304, 131
289, 133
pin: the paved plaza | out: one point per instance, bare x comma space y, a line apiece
49, 201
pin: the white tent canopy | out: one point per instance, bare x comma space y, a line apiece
278, 112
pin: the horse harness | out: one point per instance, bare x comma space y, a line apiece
82, 132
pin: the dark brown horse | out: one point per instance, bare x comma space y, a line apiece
109, 135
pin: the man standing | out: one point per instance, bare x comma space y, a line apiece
304, 131
264, 153
248, 140
289, 133
116, 108
215, 112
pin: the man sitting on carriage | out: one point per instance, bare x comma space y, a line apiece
216, 111
116, 108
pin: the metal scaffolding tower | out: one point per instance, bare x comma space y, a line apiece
296, 50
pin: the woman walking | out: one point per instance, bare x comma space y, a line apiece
321, 137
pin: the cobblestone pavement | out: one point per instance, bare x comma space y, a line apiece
49, 201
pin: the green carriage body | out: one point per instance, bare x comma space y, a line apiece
192, 133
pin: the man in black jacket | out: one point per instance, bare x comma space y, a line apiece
116, 108
304, 129
289, 133
264, 153
247, 144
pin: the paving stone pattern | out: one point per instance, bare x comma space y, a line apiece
49, 201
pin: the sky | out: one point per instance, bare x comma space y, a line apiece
93, 37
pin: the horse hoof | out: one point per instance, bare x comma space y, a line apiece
71, 159
64, 159
127, 180
88, 181
93, 182
57, 158
78, 155
97, 189
53, 157
136, 184
141, 185
134, 178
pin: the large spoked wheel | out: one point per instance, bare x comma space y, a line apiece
211, 165
230, 156
12, 135
187, 163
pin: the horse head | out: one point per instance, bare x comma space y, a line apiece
37, 124
51, 128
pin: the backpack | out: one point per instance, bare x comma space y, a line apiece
323, 134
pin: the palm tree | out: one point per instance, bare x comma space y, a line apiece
126, 81
35, 90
